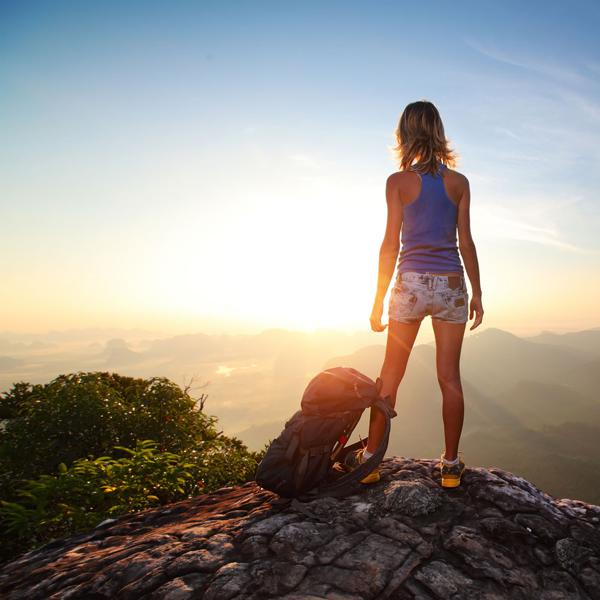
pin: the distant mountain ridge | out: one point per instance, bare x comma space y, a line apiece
528, 406
531, 402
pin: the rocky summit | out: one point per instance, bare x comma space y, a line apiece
495, 537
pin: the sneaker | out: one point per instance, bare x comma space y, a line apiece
451, 473
356, 458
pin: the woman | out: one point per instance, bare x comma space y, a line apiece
429, 201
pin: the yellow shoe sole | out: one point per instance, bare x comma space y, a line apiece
372, 477
450, 482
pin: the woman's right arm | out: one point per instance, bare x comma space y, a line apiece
389, 249
468, 252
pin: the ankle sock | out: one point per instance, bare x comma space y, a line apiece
367, 454
450, 462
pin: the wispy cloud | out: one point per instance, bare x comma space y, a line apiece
532, 222
583, 103
509, 133
518, 230
540, 235
558, 72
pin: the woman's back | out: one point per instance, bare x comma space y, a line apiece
430, 216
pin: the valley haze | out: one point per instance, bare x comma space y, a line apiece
531, 403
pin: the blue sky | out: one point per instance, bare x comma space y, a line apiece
197, 165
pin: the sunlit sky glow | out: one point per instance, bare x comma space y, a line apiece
221, 166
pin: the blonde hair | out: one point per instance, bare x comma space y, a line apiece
420, 133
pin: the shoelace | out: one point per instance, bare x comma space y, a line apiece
454, 466
457, 468
359, 456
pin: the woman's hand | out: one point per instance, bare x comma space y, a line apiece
477, 308
376, 313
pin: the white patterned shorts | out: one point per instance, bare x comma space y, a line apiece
416, 295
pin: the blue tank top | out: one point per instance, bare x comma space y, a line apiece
429, 230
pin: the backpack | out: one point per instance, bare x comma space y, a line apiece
306, 460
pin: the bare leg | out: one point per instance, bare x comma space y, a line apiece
401, 337
448, 340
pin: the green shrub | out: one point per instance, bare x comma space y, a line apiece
88, 414
222, 462
88, 446
12, 401
79, 497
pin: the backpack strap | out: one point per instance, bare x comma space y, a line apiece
346, 482
291, 449
301, 470
303, 465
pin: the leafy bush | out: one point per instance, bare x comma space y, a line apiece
88, 446
88, 414
12, 401
79, 497
222, 461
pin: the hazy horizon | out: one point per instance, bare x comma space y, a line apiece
425, 334
531, 402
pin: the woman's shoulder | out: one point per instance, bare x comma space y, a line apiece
399, 176
401, 179
456, 175
456, 184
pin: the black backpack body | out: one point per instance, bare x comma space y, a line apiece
305, 461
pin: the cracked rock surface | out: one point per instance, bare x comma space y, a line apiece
495, 537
